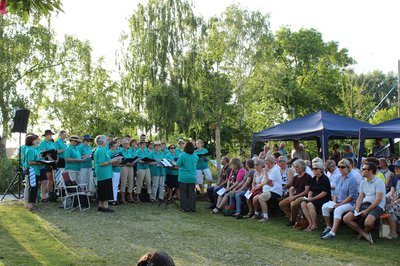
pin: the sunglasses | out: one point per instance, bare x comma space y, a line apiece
342, 167
315, 169
365, 169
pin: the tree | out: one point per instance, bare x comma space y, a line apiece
157, 63
25, 50
39, 7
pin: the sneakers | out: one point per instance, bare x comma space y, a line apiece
256, 217
107, 210
263, 220
326, 230
328, 237
249, 215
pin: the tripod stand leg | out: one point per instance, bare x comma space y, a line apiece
14, 181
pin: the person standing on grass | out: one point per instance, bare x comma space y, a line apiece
157, 172
343, 200
104, 174
32, 156
116, 174
370, 202
202, 165
187, 178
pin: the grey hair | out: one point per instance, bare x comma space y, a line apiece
270, 159
330, 163
125, 141
300, 163
100, 140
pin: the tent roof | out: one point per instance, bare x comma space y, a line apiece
312, 126
387, 129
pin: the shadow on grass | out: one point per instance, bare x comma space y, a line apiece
11, 252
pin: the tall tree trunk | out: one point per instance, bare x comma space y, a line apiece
218, 148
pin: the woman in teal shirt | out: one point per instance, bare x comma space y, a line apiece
187, 178
126, 177
202, 165
32, 157
116, 173
104, 174
172, 173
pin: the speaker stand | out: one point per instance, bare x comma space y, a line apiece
17, 180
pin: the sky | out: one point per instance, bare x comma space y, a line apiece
368, 29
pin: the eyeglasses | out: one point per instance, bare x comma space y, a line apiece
365, 169
342, 167
315, 169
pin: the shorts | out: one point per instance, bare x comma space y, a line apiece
207, 174
266, 196
61, 163
376, 212
43, 175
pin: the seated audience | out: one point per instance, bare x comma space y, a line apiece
235, 198
255, 186
300, 188
333, 173
320, 193
271, 189
222, 181
393, 203
348, 152
370, 203
343, 200
237, 175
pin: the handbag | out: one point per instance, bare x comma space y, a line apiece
301, 224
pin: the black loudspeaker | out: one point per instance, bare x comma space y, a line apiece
20, 120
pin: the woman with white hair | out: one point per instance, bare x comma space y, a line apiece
104, 174
320, 193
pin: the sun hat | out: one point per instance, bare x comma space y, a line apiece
86, 137
75, 138
48, 132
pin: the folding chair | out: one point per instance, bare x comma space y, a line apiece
73, 192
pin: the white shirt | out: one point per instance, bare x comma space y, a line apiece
334, 178
275, 176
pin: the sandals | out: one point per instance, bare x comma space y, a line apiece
310, 229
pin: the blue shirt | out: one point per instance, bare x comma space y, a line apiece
346, 187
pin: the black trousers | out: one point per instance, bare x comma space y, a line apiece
188, 196
32, 191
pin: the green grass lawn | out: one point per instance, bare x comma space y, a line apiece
52, 236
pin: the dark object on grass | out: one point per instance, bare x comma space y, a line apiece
156, 258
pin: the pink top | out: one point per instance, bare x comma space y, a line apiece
239, 177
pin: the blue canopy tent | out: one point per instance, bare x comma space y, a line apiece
388, 129
320, 126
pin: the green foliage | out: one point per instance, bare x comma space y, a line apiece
384, 115
39, 7
7, 172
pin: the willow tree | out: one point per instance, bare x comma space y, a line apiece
157, 63
248, 43
25, 50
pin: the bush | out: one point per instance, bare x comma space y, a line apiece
7, 173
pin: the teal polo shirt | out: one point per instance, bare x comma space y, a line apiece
60, 145
158, 169
83, 150
47, 145
72, 152
187, 167
174, 158
23, 151
102, 172
202, 163
141, 154
115, 169
32, 154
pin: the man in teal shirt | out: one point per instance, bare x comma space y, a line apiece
60, 146
46, 145
143, 171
